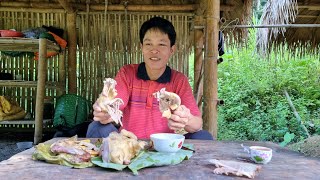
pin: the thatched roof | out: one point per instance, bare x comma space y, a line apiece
301, 33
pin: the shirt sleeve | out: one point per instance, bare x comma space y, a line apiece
122, 86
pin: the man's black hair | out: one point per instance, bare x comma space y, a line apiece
160, 23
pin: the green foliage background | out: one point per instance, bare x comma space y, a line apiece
253, 87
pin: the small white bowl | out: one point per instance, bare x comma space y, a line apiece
167, 142
260, 155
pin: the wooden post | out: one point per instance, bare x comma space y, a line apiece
72, 52
62, 74
210, 91
198, 61
42, 73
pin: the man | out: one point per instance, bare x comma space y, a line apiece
136, 84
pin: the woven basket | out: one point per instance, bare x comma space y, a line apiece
70, 111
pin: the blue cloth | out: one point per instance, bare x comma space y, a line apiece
98, 130
202, 134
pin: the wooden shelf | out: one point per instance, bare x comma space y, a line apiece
25, 44
41, 45
30, 84
26, 121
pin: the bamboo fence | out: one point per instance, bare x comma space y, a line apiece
107, 41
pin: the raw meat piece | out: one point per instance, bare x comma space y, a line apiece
236, 168
168, 101
81, 150
108, 101
121, 147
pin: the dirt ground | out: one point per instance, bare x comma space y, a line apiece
8, 140
8, 145
309, 147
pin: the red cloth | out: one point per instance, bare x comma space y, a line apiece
62, 43
141, 114
59, 40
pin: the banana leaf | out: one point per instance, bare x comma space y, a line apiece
149, 159
43, 153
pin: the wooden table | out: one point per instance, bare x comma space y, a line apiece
285, 164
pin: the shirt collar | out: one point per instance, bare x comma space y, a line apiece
164, 78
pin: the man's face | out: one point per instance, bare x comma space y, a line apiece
156, 50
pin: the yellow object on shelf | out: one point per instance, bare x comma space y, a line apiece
10, 110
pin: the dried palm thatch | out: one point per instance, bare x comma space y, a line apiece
239, 14
302, 34
274, 13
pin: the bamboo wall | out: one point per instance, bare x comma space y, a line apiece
106, 41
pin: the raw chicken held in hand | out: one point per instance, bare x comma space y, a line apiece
108, 101
168, 101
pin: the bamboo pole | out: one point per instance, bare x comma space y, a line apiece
276, 26
66, 5
267, 26
62, 73
42, 69
82, 56
120, 7
41, 5
210, 91
72, 52
31, 9
110, 7
198, 56
295, 112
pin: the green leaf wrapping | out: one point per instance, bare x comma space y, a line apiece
98, 161
43, 153
148, 159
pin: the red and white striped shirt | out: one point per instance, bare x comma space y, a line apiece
141, 114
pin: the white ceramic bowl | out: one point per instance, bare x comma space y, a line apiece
260, 155
167, 142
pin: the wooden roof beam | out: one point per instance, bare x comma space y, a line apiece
66, 5
307, 16
317, 21
310, 7
71, 7
29, 4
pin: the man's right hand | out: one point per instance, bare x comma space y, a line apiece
98, 115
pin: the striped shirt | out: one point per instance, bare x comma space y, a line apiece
141, 114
